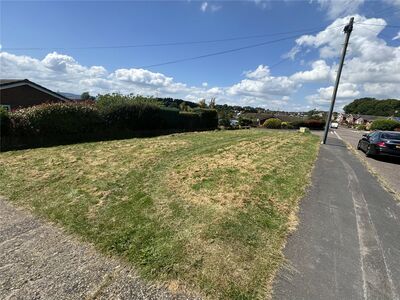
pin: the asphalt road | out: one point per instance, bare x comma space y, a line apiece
347, 245
387, 169
39, 261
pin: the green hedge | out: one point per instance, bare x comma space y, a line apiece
64, 123
4, 121
383, 124
272, 123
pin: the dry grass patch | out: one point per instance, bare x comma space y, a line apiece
205, 211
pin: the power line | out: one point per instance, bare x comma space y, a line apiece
228, 51
221, 52
380, 25
161, 44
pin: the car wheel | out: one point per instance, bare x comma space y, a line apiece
369, 151
359, 146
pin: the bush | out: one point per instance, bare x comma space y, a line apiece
383, 124
56, 119
63, 123
245, 121
361, 127
132, 116
272, 123
286, 125
208, 118
4, 121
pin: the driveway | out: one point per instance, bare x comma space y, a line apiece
347, 244
387, 169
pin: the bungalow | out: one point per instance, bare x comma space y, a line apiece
365, 119
19, 93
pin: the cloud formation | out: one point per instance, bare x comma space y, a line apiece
372, 69
340, 8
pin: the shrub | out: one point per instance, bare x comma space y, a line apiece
115, 99
188, 120
286, 125
383, 124
4, 121
272, 123
56, 119
245, 121
208, 118
361, 127
62, 123
131, 116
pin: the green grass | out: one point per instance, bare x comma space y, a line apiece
206, 212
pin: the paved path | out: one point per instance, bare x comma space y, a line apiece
39, 261
388, 169
347, 245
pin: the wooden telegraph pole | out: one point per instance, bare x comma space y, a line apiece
347, 29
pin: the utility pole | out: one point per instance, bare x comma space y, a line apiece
347, 29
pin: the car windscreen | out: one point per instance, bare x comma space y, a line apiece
390, 136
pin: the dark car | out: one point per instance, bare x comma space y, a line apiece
380, 143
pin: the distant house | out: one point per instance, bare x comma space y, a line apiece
19, 93
350, 119
341, 118
365, 119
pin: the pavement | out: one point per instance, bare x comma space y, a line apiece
40, 261
386, 168
347, 244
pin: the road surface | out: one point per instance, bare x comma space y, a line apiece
347, 245
388, 169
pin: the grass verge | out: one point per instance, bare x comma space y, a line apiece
206, 211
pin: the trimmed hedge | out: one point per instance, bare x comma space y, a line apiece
383, 124
65, 123
4, 121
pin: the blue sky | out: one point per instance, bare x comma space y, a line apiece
246, 77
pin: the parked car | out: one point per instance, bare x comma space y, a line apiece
380, 143
334, 125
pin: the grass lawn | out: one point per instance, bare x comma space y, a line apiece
208, 212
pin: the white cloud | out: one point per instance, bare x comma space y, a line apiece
340, 8
397, 37
346, 93
61, 72
371, 64
320, 72
259, 83
203, 6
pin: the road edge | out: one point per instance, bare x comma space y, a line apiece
380, 179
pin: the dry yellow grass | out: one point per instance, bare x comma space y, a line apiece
205, 211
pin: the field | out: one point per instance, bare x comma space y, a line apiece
203, 212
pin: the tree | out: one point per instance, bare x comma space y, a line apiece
202, 103
212, 103
183, 106
372, 106
86, 96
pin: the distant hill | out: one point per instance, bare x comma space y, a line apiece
70, 95
374, 107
